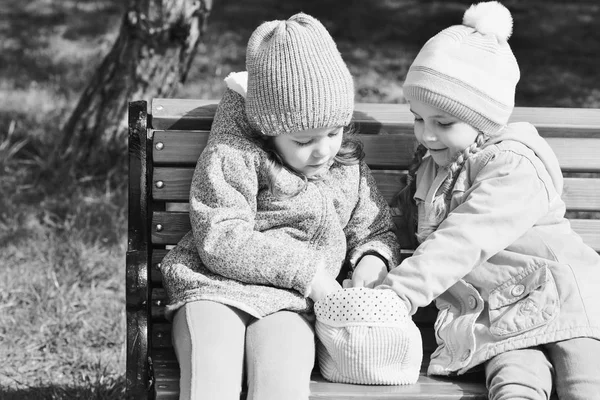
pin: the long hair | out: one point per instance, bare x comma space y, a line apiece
351, 152
404, 200
441, 200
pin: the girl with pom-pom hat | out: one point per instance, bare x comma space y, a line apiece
517, 289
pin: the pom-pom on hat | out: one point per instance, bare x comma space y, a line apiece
367, 337
297, 79
469, 70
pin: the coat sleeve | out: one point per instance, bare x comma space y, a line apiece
507, 197
223, 204
371, 228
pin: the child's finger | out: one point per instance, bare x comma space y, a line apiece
358, 283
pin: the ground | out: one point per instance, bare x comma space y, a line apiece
63, 238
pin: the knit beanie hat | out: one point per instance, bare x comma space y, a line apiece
297, 79
367, 337
469, 70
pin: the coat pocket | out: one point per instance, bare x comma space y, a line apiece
523, 304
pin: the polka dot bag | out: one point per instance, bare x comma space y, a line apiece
367, 337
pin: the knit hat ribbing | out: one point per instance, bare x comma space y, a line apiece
297, 79
469, 70
367, 337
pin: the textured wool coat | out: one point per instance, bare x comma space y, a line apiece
509, 271
258, 253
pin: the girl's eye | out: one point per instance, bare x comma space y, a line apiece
302, 144
417, 119
334, 133
445, 124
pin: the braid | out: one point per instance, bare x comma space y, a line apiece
441, 202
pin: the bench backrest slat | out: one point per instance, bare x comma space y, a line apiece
382, 151
174, 114
173, 225
580, 194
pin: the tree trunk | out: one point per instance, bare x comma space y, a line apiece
151, 56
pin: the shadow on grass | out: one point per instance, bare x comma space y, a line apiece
110, 389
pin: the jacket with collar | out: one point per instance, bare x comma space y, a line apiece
505, 268
252, 251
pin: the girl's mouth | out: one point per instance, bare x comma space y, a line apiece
437, 150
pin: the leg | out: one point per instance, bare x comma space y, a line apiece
208, 338
519, 374
577, 370
280, 355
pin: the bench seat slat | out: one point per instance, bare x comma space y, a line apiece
382, 151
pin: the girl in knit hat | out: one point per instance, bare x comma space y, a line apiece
516, 288
279, 201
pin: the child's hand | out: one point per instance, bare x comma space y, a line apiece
322, 284
370, 272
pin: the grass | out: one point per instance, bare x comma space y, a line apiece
63, 233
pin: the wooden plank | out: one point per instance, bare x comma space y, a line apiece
169, 227
386, 118
577, 154
173, 184
158, 255
184, 148
160, 336
582, 194
382, 151
589, 230
182, 113
178, 147
155, 276
427, 387
173, 225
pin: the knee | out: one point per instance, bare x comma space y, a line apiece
280, 355
512, 391
509, 384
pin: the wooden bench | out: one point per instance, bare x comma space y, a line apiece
164, 144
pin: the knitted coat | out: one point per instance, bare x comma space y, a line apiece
253, 251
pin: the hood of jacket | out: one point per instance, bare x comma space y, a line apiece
527, 134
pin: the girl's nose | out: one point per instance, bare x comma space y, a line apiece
321, 149
429, 135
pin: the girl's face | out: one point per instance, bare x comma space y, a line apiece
444, 135
309, 151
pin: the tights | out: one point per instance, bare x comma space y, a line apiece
571, 366
213, 341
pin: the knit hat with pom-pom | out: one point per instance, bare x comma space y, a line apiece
469, 70
297, 79
367, 337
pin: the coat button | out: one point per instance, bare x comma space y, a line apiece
472, 302
517, 290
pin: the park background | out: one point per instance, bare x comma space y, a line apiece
63, 232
